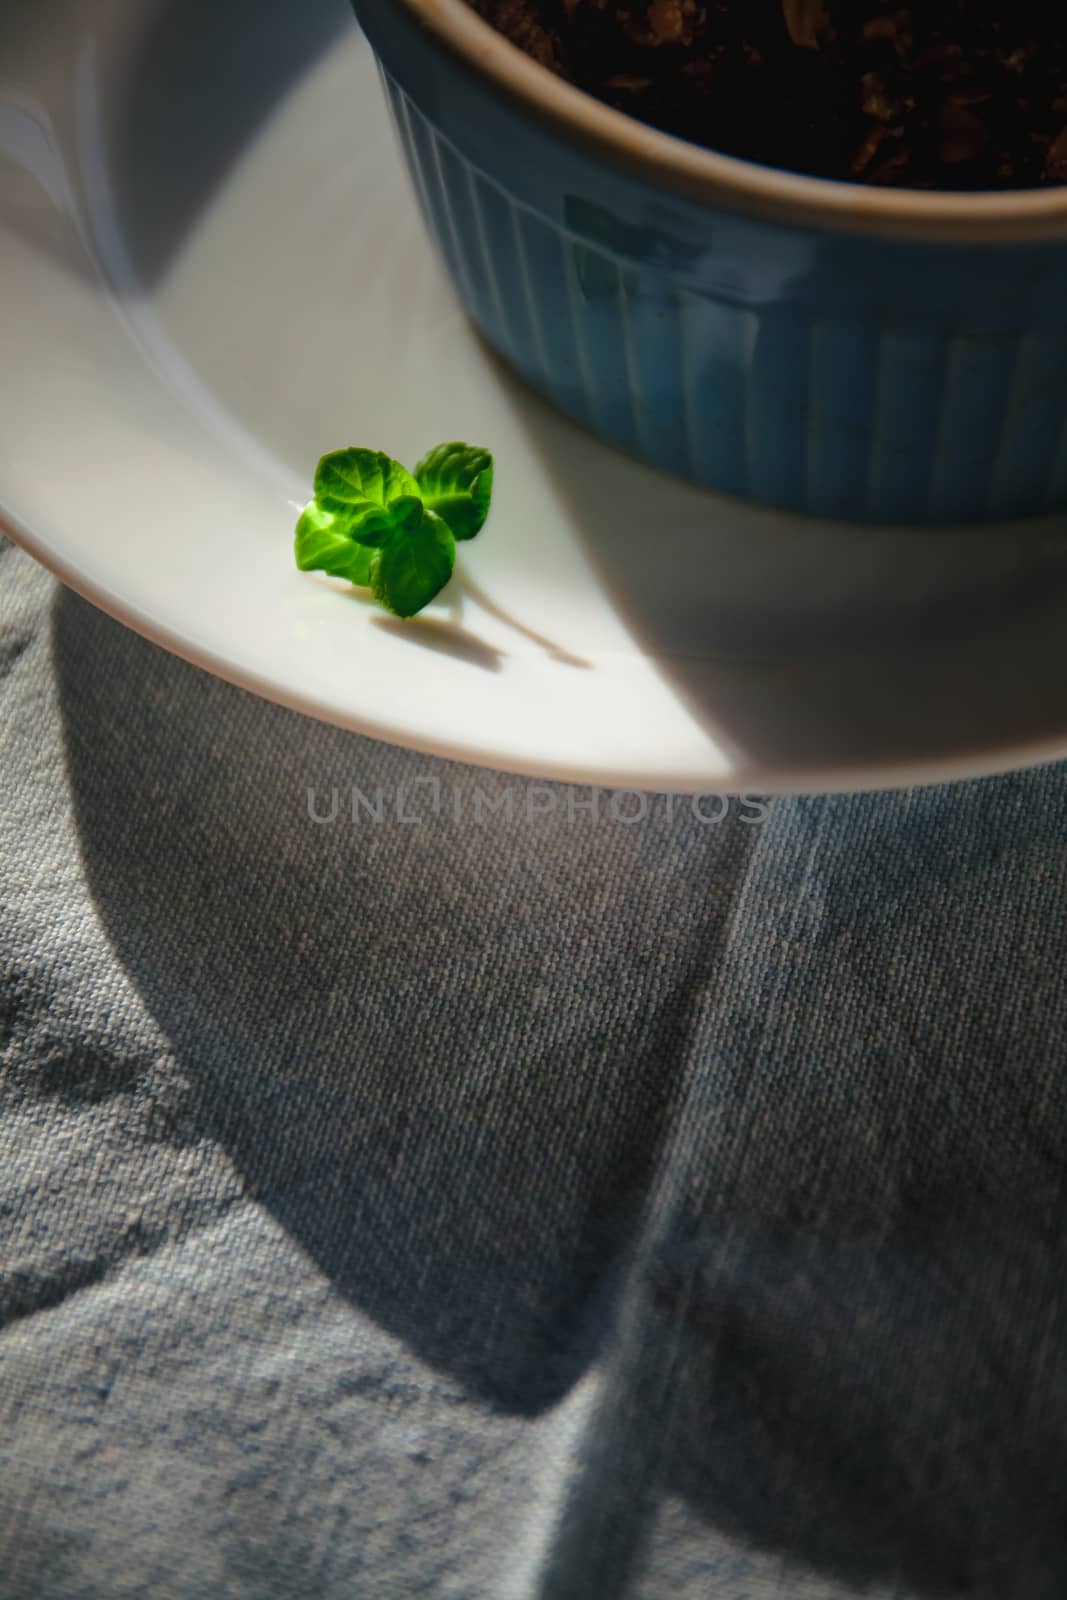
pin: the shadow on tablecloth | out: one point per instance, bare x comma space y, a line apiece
769, 1121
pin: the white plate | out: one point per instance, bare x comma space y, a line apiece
212, 270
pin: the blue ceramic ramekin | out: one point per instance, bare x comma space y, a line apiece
875, 355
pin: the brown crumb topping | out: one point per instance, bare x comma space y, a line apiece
950, 94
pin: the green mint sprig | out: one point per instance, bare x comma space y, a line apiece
392, 531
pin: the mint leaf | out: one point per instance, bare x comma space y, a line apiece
357, 486
371, 521
456, 481
322, 546
414, 564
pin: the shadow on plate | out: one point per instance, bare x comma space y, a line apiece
205, 77
817, 646
444, 638
201, 78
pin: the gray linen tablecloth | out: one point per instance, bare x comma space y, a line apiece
511, 1208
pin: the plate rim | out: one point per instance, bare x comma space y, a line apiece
997, 762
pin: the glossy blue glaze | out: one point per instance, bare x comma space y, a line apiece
814, 369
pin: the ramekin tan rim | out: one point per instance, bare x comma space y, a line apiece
1027, 215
